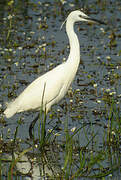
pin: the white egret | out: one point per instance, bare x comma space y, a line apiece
51, 87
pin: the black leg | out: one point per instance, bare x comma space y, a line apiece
32, 126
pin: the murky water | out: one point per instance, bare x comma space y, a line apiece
32, 43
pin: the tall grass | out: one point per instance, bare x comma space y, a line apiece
78, 161
92, 163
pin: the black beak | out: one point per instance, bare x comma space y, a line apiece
94, 20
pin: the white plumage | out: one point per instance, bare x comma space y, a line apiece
51, 87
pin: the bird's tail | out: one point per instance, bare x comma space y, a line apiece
11, 109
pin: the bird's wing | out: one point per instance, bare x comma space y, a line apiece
42, 90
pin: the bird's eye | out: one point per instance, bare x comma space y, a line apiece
81, 16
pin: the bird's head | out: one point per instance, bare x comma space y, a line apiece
78, 15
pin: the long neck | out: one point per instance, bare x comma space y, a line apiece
74, 55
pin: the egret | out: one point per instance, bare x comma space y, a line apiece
51, 87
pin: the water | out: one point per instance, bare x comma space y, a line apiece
32, 43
